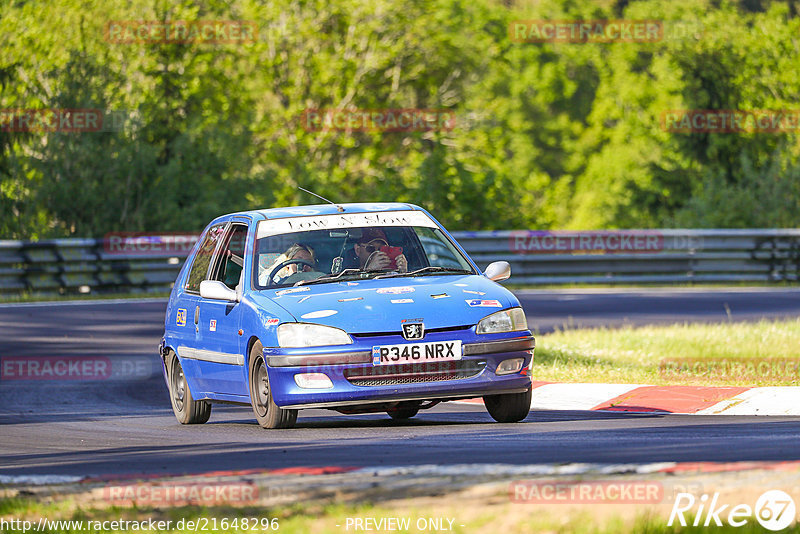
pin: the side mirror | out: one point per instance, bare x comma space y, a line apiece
216, 290
497, 271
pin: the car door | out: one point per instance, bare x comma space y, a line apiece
222, 347
185, 312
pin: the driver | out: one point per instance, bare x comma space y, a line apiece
296, 252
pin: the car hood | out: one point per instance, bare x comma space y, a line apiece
370, 306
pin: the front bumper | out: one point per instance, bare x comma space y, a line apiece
348, 366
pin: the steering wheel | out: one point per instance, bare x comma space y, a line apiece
271, 280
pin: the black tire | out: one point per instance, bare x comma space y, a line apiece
187, 410
403, 412
509, 408
268, 414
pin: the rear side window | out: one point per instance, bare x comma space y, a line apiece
202, 259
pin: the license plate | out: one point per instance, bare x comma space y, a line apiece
435, 351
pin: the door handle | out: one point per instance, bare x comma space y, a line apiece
197, 315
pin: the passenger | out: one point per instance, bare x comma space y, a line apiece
371, 257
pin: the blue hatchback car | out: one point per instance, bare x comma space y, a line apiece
355, 307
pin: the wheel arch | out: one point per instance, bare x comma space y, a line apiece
250, 342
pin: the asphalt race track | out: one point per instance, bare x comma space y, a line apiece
122, 423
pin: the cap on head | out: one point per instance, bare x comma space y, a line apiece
371, 234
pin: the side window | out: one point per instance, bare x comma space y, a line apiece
439, 251
228, 268
203, 258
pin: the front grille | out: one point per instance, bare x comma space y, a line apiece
387, 375
399, 333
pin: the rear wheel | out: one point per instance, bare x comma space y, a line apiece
187, 410
509, 408
268, 414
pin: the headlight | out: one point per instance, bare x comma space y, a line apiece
311, 335
512, 320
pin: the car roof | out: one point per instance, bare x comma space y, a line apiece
322, 209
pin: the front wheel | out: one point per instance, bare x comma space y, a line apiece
268, 414
187, 410
510, 407
404, 411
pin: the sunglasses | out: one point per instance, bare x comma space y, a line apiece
372, 248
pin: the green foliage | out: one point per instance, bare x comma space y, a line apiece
553, 135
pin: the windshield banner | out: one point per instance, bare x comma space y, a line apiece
343, 220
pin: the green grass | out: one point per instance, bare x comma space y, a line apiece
635, 355
491, 516
654, 285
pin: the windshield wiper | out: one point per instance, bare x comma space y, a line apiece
432, 269
328, 277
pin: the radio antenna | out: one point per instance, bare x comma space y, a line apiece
338, 207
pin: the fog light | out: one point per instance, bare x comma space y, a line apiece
508, 367
313, 381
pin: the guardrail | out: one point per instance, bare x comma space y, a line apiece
82, 266
536, 257
641, 256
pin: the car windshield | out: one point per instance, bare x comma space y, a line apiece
343, 250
